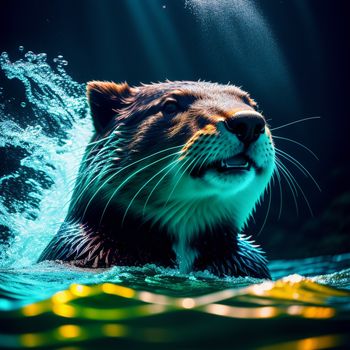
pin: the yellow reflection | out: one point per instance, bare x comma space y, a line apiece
266, 312
314, 343
33, 309
125, 292
218, 296
69, 331
148, 297
188, 303
311, 311
114, 330
122, 313
80, 290
30, 340
241, 312
62, 297
64, 310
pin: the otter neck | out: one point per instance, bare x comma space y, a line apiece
170, 245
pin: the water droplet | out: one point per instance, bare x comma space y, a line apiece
21, 48
23, 104
30, 56
41, 57
164, 6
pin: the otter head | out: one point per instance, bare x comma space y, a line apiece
187, 155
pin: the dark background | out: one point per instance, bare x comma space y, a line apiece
141, 41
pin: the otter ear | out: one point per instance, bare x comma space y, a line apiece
105, 99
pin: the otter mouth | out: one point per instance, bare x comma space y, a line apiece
232, 165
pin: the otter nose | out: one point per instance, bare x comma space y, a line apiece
246, 125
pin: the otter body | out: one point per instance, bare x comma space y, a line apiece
171, 176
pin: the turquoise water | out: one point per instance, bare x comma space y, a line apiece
50, 305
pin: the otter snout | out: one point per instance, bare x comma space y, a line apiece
246, 125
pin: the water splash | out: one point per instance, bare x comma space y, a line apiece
42, 147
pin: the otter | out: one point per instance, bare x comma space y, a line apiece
171, 176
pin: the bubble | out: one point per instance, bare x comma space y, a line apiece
41, 57
60, 57
23, 104
34, 130
5, 56
30, 56
64, 63
21, 48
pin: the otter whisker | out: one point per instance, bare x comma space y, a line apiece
290, 184
100, 171
289, 180
278, 176
95, 158
295, 122
296, 142
79, 182
93, 143
298, 165
268, 209
188, 160
117, 137
107, 146
286, 170
204, 160
194, 162
122, 169
97, 166
285, 156
172, 164
156, 185
125, 181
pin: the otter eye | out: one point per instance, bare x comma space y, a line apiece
170, 107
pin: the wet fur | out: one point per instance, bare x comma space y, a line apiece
173, 220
